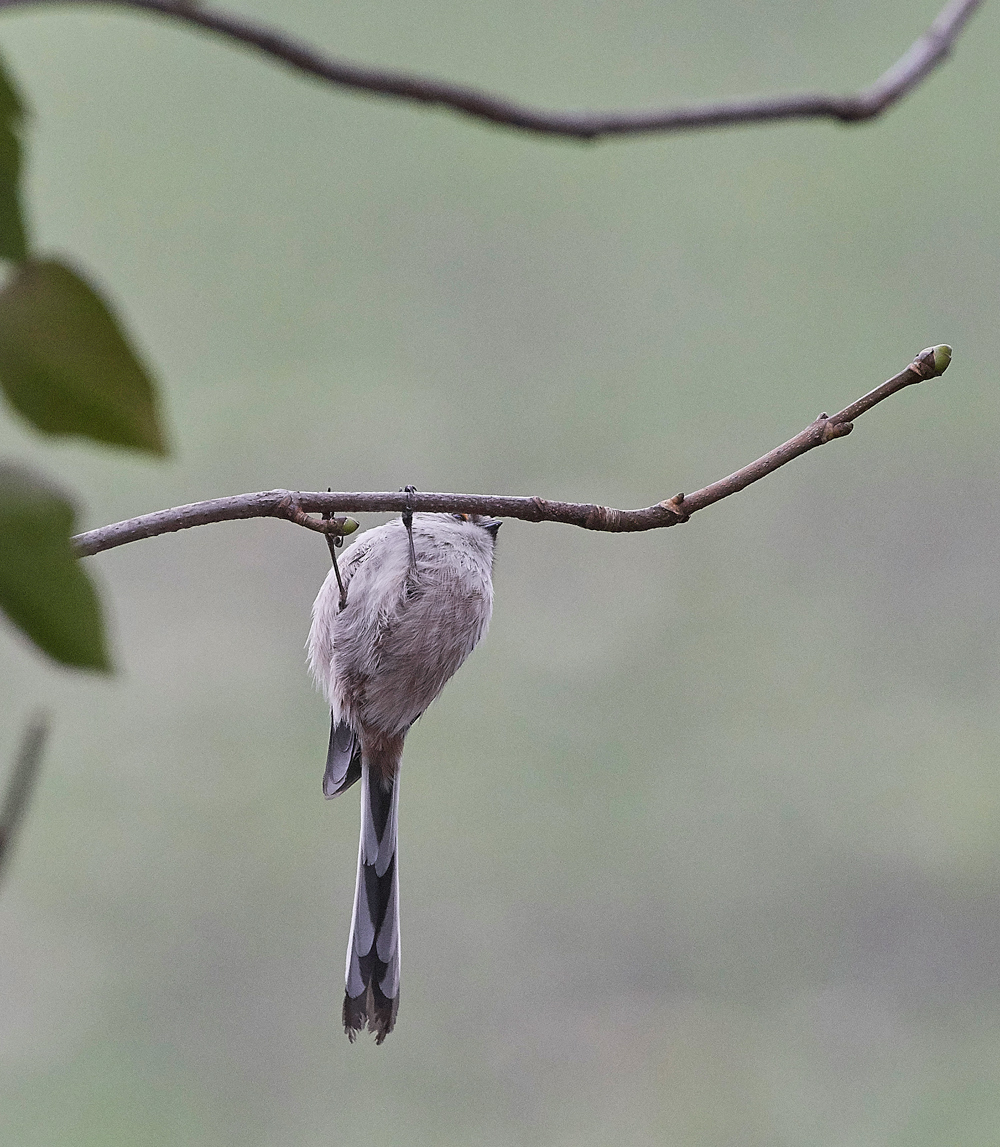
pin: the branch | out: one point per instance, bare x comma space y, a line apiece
22, 781
924, 55
296, 507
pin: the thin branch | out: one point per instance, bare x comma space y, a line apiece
924, 55
20, 785
297, 507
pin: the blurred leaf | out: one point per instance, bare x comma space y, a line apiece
13, 239
43, 588
65, 364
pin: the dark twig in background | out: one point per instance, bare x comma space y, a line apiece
923, 56
297, 507
20, 785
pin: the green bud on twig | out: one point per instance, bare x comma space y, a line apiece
942, 357
935, 357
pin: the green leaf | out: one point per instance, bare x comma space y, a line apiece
13, 235
65, 364
43, 588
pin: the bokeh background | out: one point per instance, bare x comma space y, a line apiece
702, 846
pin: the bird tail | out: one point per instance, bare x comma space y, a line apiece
371, 998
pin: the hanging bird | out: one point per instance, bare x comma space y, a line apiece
417, 597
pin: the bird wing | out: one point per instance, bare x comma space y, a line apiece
343, 760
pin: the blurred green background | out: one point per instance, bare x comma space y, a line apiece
703, 844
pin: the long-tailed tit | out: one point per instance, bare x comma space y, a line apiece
414, 611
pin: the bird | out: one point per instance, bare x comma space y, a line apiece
417, 597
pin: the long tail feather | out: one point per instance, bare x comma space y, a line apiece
371, 997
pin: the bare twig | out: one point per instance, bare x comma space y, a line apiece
924, 55
22, 781
296, 507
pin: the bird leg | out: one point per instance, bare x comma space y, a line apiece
409, 491
333, 542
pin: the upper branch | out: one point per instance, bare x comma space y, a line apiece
923, 56
297, 506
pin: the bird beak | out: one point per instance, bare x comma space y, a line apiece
491, 525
